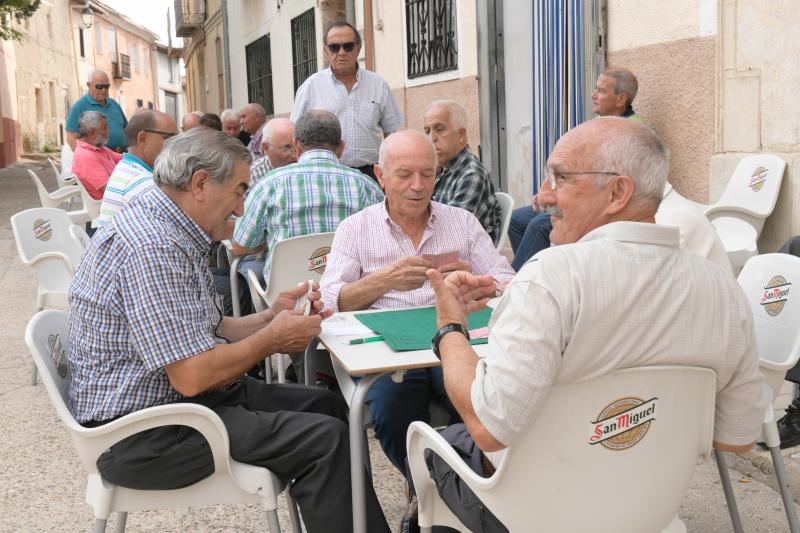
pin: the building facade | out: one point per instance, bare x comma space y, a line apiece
200, 23
171, 99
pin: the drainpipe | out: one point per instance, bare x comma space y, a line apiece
227, 51
349, 11
369, 36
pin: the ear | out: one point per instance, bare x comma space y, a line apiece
340, 150
140, 137
199, 186
379, 174
462, 135
298, 148
622, 100
620, 191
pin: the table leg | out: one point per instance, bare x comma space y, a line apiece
357, 450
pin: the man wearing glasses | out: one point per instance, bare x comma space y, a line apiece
277, 141
146, 133
97, 99
360, 99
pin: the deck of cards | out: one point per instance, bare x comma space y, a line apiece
440, 260
304, 302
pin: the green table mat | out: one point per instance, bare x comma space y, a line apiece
413, 329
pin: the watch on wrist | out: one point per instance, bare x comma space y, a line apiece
444, 330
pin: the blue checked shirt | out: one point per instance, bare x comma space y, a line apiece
310, 196
142, 298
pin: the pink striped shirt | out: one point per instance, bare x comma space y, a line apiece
370, 240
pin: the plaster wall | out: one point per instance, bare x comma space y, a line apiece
10, 134
636, 23
202, 64
173, 85
84, 65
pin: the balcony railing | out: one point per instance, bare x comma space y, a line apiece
189, 16
121, 69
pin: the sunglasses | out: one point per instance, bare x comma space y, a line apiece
102, 86
348, 47
166, 134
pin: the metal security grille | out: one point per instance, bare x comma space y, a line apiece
304, 47
568, 54
259, 73
431, 37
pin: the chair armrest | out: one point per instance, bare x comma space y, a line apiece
42, 259
721, 209
95, 441
65, 192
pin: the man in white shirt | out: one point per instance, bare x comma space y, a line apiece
618, 293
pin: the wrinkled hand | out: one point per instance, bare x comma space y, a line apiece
288, 299
454, 266
292, 331
407, 273
535, 203
459, 294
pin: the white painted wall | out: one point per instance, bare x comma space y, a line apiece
164, 83
635, 23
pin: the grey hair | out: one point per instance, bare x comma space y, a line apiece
92, 74
383, 152
90, 120
229, 114
198, 149
624, 82
318, 128
458, 115
634, 150
258, 108
266, 133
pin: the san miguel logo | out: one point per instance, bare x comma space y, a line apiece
58, 354
319, 260
623, 423
776, 293
758, 178
42, 229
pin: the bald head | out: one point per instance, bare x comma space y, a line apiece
253, 117
406, 171
98, 85
191, 120
396, 144
277, 139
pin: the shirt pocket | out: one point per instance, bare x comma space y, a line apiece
368, 114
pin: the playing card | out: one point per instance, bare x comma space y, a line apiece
440, 260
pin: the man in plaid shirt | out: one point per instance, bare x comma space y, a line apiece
462, 180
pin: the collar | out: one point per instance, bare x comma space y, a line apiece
95, 102
635, 232
433, 210
336, 80
458, 160
317, 154
127, 156
629, 112
172, 212
667, 189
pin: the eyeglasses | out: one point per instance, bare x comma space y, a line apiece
553, 177
286, 148
166, 134
102, 86
348, 47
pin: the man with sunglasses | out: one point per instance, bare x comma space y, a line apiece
97, 99
361, 100
146, 133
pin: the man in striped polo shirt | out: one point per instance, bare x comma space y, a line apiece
145, 133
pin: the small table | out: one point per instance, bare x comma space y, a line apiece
371, 361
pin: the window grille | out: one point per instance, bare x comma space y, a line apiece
259, 73
431, 37
304, 47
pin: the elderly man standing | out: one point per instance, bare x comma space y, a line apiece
311, 196
232, 125
191, 120
461, 180
277, 142
93, 163
97, 99
146, 329
253, 117
361, 99
133, 175
378, 261
566, 316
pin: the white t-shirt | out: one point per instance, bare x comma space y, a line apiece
624, 296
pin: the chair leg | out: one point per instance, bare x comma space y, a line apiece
281, 368
268, 369
99, 525
294, 515
725, 478
786, 491
34, 373
122, 520
273, 522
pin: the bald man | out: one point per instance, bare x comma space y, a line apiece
191, 120
277, 142
97, 99
253, 118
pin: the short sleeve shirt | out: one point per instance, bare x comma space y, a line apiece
116, 118
130, 177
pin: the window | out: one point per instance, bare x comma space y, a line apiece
149, 104
171, 104
259, 73
304, 47
51, 86
39, 105
220, 73
112, 44
139, 102
81, 43
431, 37
98, 38
133, 51
146, 59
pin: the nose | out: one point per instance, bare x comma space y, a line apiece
417, 183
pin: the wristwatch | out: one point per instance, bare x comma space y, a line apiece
444, 330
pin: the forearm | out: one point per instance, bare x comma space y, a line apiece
360, 294
241, 250
71, 138
237, 329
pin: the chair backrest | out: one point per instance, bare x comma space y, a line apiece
257, 293
768, 283
630, 439
43, 230
296, 260
80, 236
506, 207
754, 186
91, 205
44, 195
63, 176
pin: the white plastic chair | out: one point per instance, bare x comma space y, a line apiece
231, 482
80, 236
44, 243
506, 207
91, 205
767, 280
63, 177
57, 198
748, 199
554, 479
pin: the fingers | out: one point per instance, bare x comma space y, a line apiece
436, 279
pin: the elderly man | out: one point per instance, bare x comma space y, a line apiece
191, 120
613, 96
253, 117
146, 329
232, 125
555, 323
277, 142
133, 175
361, 99
379, 258
461, 181
93, 163
97, 99
316, 193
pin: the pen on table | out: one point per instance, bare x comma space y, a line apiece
366, 339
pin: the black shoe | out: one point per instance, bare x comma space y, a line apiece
409, 523
789, 425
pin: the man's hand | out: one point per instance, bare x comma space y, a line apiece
459, 294
292, 331
454, 266
535, 203
407, 273
288, 299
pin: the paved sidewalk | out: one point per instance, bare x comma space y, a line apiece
42, 485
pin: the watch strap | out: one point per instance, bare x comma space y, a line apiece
444, 330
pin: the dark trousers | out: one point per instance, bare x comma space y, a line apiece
298, 433
458, 497
395, 405
369, 170
529, 233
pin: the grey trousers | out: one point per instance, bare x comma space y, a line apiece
455, 493
299, 433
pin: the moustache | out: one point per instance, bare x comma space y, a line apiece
553, 211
